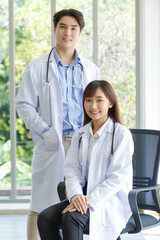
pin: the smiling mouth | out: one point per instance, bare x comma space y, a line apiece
94, 113
67, 39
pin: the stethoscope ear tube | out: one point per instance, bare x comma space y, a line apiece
47, 80
47, 83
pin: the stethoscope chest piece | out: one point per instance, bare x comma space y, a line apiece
47, 84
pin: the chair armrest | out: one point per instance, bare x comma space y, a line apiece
134, 206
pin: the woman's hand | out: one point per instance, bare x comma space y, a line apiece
69, 208
80, 202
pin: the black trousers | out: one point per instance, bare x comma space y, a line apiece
72, 224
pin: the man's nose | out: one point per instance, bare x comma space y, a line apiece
68, 31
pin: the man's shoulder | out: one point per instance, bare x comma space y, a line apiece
38, 63
86, 61
39, 60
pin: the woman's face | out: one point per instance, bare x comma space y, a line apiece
97, 107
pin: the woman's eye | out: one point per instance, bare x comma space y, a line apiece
87, 100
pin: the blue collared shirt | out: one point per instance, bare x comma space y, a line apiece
70, 79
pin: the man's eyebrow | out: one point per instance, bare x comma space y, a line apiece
73, 25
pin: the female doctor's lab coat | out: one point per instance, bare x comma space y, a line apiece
109, 178
40, 105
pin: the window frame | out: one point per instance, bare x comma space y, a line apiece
139, 90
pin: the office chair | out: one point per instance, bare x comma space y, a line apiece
145, 194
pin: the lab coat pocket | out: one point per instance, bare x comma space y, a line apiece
112, 214
51, 140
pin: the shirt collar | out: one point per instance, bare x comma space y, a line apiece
99, 132
76, 59
58, 61
56, 56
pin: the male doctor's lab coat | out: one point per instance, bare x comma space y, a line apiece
109, 178
40, 105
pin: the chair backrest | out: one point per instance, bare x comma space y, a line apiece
146, 162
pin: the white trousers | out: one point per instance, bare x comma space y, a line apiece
32, 230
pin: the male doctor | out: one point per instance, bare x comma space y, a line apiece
52, 109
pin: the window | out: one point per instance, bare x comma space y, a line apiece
111, 46
33, 39
5, 143
116, 52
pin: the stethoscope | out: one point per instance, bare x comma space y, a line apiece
48, 60
47, 83
112, 141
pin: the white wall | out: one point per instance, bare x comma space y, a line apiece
148, 64
152, 45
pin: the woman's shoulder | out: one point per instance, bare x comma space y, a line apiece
122, 130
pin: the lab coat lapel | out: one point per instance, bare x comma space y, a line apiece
85, 145
94, 154
55, 96
53, 65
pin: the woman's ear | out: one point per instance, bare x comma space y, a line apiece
111, 104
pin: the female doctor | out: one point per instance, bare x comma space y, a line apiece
100, 158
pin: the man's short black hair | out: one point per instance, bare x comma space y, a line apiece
71, 13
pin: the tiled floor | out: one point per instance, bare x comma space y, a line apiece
13, 227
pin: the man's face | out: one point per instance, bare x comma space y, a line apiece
67, 32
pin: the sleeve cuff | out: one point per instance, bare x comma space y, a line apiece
45, 129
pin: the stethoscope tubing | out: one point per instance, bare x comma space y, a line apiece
48, 60
47, 79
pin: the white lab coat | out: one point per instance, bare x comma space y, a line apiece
40, 105
109, 178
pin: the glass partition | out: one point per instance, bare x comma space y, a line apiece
5, 144
116, 57
32, 27
33, 39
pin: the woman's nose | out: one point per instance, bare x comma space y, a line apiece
93, 105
